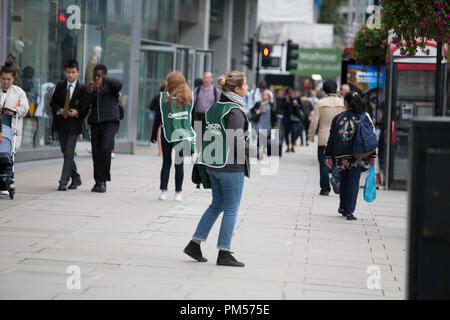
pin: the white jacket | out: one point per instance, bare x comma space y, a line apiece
16, 99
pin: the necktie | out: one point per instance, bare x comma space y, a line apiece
67, 103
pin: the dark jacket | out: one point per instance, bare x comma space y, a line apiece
105, 103
290, 109
79, 101
236, 119
342, 129
158, 120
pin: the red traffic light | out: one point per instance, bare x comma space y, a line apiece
266, 52
62, 18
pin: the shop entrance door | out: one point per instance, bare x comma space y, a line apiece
156, 63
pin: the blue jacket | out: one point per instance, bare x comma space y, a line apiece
341, 134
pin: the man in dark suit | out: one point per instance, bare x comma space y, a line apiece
70, 104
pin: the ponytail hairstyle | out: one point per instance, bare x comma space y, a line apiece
231, 80
355, 102
8, 67
178, 88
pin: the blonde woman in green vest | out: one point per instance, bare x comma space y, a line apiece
174, 116
226, 121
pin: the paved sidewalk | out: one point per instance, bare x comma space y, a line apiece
129, 245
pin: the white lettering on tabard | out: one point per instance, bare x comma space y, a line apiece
178, 115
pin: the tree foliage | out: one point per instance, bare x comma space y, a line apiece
329, 13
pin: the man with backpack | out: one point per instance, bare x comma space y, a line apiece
204, 97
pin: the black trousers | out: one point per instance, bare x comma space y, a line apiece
68, 142
102, 140
167, 163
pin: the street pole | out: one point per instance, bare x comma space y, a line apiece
439, 67
258, 48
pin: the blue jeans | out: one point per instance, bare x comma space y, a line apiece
349, 188
295, 127
226, 192
300, 131
325, 171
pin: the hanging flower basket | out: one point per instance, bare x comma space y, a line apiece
370, 45
416, 22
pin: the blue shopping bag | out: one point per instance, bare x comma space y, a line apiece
370, 189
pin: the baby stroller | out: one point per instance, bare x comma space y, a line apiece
7, 154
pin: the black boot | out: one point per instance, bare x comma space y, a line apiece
193, 250
350, 216
226, 259
102, 187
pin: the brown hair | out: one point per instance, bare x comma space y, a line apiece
178, 88
232, 80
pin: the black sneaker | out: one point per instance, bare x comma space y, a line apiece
342, 212
335, 185
292, 150
193, 250
75, 184
288, 150
102, 187
62, 187
322, 193
226, 259
350, 216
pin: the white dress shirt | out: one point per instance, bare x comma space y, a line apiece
72, 88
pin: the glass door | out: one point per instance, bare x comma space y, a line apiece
185, 64
203, 63
413, 96
156, 63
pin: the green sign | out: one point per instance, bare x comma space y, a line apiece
326, 62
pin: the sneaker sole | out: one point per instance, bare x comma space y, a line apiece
230, 265
335, 186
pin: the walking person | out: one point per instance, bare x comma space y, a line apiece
104, 120
297, 118
154, 106
204, 97
324, 112
174, 115
69, 107
262, 118
227, 122
12, 99
340, 149
308, 108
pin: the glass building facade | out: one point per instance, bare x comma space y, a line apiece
41, 35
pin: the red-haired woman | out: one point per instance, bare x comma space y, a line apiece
174, 116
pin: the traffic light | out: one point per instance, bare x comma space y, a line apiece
266, 58
247, 53
291, 56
